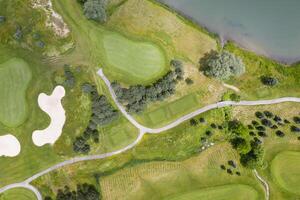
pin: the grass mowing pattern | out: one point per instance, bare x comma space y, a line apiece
235, 191
285, 169
18, 194
141, 60
14, 79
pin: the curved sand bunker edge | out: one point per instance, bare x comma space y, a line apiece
52, 105
9, 146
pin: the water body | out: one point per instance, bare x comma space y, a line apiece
268, 27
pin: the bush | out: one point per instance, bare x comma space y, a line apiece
189, 81
296, 120
19, 33
193, 122
269, 81
222, 65
295, 129
266, 122
95, 10
259, 115
280, 133
268, 114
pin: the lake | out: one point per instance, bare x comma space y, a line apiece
268, 27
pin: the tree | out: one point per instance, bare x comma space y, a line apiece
222, 65
2, 19
269, 81
95, 10
189, 81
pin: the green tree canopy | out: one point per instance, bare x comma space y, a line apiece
95, 10
222, 65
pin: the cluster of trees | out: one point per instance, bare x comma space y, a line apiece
95, 9
102, 114
135, 98
69, 77
269, 81
83, 192
222, 65
251, 151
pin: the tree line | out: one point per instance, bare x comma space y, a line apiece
136, 97
83, 192
103, 113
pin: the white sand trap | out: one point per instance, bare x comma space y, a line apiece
53, 107
9, 146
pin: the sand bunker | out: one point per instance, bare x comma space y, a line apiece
53, 107
9, 146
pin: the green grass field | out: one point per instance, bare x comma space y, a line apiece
235, 191
285, 169
18, 194
14, 79
140, 60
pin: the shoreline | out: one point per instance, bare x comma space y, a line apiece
222, 40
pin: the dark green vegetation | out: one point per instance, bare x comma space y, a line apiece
95, 9
102, 114
135, 98
222, 65
83, 192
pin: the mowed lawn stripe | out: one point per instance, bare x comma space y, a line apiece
234, 191
141, 60
15, 76
18, 194
285, 169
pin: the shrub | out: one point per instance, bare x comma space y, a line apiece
259, 115
232, 163
269, 81
202, 120
254, 123
189, 81
222, 65
266, 122
274, 127
208, 133
213, 125
222, 167
251, 133
19, 33
262, 134
238, 173
268, 114
95, 10
287, 121
260, 128
229, 171
295, 129
296, 120
280, 133
193, 122
277, 119
250, 127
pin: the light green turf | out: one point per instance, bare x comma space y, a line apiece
141, 60
14, 79
18, 194
285, 169
235, 191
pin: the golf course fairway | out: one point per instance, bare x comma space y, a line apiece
139, 60
285, 169
15, 76
235, 191
18, 194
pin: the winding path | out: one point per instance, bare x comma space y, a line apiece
265, 184
142, 131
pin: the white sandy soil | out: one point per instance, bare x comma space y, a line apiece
9, 146
53, 107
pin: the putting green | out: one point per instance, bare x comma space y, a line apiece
235, 191
14, 79
18, 194
139, 60
285, 169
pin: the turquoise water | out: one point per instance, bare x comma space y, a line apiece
269, 27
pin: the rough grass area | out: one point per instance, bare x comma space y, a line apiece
250, 83
15, 75
285, 170
137, 59
274, 145
234, 191
18, 194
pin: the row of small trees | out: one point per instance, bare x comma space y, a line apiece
83, 192
102, 114
136, 97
